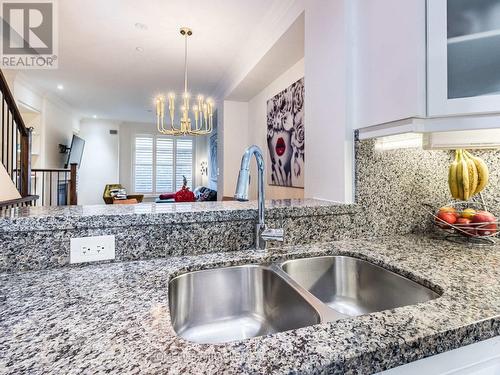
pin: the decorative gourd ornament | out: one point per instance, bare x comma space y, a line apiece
184, 195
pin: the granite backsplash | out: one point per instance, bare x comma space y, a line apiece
392, 188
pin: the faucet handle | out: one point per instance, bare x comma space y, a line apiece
273, 234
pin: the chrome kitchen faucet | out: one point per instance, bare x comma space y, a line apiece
262, 233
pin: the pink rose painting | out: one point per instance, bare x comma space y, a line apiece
285, 136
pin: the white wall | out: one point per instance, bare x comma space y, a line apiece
257, 129
25, 93
235, 141
201, 155
31, 101
33, 119
245, 123
59, 123
329, 135
100, 161
220, 150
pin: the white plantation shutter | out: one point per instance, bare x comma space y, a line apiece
164, 164
143, 164
184, 163
160, 162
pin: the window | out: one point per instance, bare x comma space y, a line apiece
164, 164
160, 163
184, 162
143, 164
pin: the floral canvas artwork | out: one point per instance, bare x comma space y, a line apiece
212, 167
285, 137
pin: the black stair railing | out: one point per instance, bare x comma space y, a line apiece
45, 187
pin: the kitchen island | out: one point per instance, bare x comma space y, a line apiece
115, 317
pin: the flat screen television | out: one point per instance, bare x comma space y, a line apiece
75, 152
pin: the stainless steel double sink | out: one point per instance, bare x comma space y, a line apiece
234, 303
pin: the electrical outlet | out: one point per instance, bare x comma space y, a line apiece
92, 249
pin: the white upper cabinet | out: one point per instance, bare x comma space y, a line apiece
389, 60
425, 65
463, 56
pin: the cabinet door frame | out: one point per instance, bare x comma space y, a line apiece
438, 103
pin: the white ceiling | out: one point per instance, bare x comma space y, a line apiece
285, 52
104, 75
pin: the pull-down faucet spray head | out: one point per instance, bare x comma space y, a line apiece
242, 185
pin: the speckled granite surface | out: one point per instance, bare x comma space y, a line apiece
39, 238
391, 190
115, 317
105, 216
392, 186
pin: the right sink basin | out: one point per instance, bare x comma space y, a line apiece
353, 286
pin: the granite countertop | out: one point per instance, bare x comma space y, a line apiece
99, 216
115, 317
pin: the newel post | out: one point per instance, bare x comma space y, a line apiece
26, 163
73, 197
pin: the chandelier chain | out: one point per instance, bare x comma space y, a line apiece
185, 63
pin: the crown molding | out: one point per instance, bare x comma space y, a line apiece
277, 20
24, 81
21, 78
62, 104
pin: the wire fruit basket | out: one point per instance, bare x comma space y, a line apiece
467, 231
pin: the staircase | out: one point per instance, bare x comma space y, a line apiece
35, 186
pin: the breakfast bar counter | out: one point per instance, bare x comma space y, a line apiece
115, 317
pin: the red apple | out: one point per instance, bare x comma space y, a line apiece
463, 224
444, 218
449, 209
485, 223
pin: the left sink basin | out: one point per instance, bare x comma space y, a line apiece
235, 303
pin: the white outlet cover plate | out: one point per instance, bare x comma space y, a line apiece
92, 249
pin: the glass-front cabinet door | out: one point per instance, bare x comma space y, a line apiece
463, 56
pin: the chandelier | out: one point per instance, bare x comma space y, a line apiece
194, 120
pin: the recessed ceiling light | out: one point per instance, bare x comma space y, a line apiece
60, 87
139, 49
95, 116
141, 26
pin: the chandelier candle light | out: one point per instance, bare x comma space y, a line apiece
202, 111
